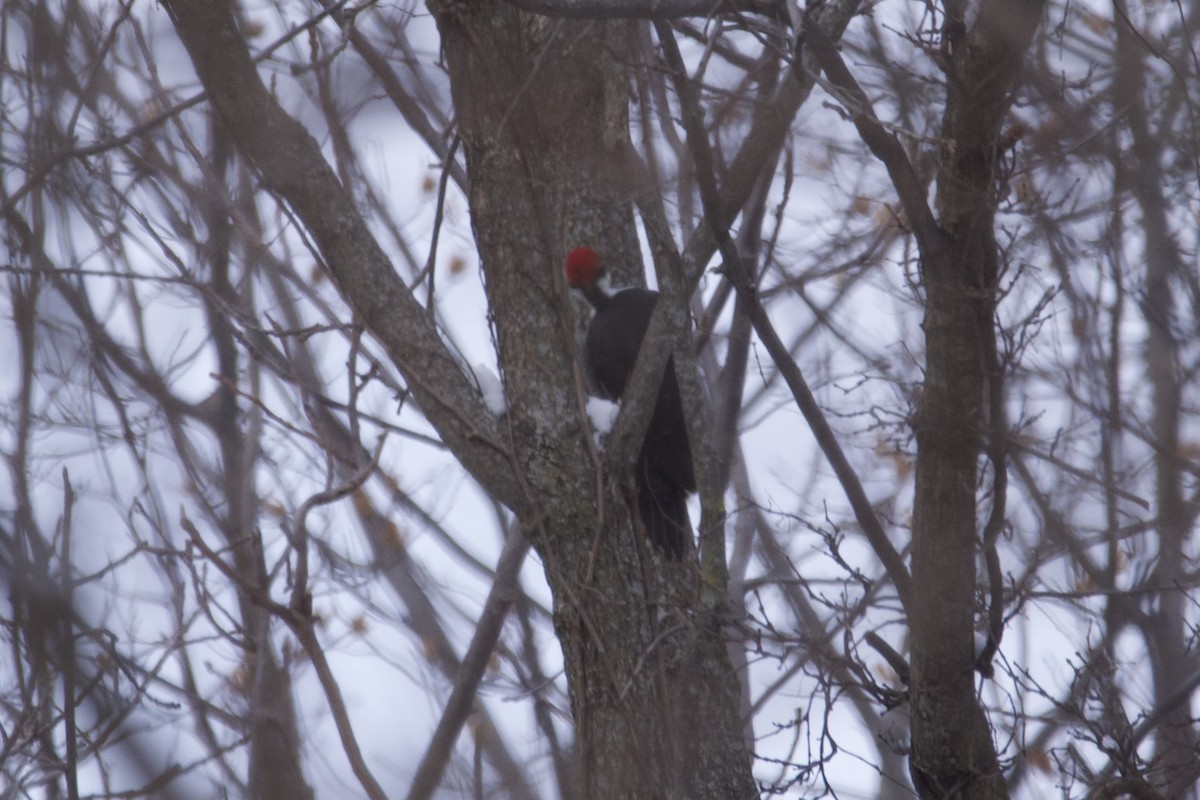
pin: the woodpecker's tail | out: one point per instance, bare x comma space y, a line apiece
662, 506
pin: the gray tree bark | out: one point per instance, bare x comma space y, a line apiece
543, 116
952, 750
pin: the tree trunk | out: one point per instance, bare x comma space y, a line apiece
543, 108
952, 751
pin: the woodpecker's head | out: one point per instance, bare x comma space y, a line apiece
583, 268
586, 273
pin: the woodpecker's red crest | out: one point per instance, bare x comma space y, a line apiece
583, 267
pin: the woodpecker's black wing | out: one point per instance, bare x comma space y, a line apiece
663, 472
662, 507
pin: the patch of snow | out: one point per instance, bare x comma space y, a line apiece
602, 414
893, 729
493, 390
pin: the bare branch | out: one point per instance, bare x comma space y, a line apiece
292, 163
500, 598
883, 144
648, 9
738, 274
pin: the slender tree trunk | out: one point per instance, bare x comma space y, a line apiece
274, 768
1175, 768
952, 750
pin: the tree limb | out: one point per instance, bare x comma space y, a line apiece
291, 162
882, 143
738, 275
647, 9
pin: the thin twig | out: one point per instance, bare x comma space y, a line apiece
68, 643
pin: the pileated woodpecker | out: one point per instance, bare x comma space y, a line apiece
663, 473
